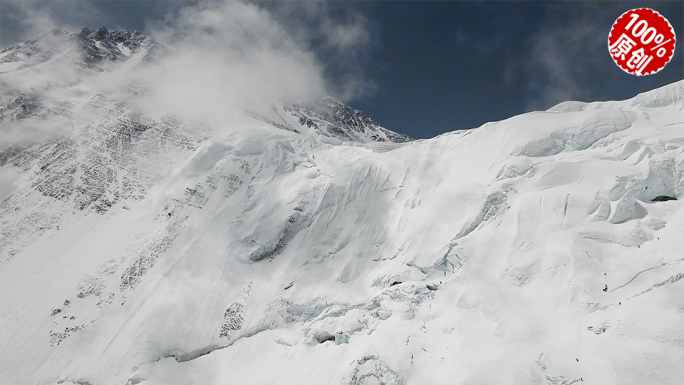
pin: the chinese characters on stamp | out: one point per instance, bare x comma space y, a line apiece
641, 41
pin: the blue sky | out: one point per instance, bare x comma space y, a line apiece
421, 68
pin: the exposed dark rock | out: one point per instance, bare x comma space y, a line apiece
663, 198
232, 319
321, 338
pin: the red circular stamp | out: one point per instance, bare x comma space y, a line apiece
641, 41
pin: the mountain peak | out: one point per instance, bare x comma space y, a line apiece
101, 33
327, 116
330, 117
87, 49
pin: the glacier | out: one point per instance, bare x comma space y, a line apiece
308, 244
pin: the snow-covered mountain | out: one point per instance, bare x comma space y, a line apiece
306, 247
87, 49
332, 118
101, 50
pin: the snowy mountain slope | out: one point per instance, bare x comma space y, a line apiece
268, 256
84, 139
140, 248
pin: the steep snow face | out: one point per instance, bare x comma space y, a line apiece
139, 248
537, 249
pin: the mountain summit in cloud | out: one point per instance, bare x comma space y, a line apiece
86, 49
97, 51
175, 218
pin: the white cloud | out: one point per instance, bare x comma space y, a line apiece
35, 20
229, 56
562, 53
345, 36
339, 35
31, 18
224, 58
